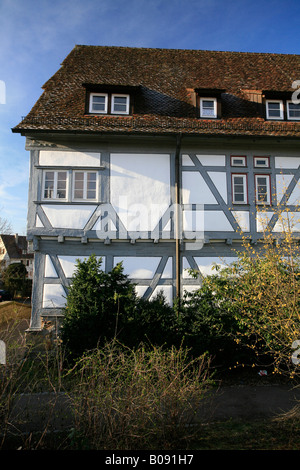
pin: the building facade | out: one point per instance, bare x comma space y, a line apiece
161, 159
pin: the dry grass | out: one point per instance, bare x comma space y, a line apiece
12, 311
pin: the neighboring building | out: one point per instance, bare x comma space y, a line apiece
15, 249
125, 143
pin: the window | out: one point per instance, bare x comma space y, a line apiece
55, 185
238, 160
104, 103
262, 189
239, 189
98, 103
208, 107
120, 104
261, 162
293, 110
274, 109
85, 185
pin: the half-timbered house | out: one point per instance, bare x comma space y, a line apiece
161, 159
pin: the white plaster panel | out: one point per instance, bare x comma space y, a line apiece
220, 181
195, 189
287, 162
216, 221
67, 158
185, 267
186, 161
38, 222
101, 223
54, 296
242, 218
190, 288
262, 220
193, 221
167, 292
282, 183
288, 222
71, 216
140, 189
206, 264
68, 263
168, 271
294, 198
50, 270
212, 160
140, 290
138, 267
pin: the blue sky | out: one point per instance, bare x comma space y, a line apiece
36, 35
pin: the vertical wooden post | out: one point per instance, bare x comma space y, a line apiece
178, 222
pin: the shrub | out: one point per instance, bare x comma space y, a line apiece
207, 320
98, 305
102, 306
154, 322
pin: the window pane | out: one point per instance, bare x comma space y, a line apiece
61, 184
91, 186
274, 109
79, 185
262, 189
120, 104
239, 189
98, 103
239, 197
294, 110
78, 194
208, 104
49, 185
208, 108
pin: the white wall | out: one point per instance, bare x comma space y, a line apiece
140, 188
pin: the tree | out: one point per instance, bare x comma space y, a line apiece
259, 295
5, 226
14, 278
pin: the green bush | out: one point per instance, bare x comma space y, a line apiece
102, 306
98, 306
207, 321
154, 323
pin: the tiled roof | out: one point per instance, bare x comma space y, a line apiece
15, 245
163, 82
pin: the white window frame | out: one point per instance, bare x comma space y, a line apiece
245, 187
118, 95
268, 186
97, 111
276, 118
215, 107
55, 190
266, 163
288, 111
84, 198
242, 158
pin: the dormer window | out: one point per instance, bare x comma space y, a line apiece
274, 109
98, 103
107, 103
208, 108
293, 110
120, 104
